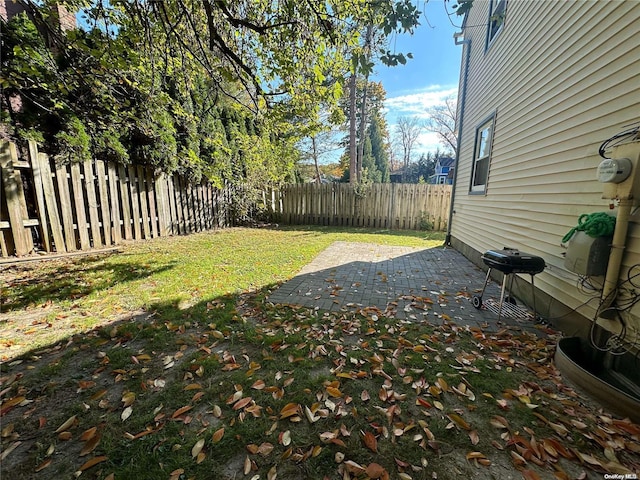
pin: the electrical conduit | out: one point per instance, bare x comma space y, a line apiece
617, 252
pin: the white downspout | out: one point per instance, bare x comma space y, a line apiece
628, 193
463, 98
618, 245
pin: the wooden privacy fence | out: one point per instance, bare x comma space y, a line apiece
381, 205
81, 206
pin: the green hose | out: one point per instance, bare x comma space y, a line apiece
599, 224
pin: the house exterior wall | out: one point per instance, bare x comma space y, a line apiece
62, 17
560, 77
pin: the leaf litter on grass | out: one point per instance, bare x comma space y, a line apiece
393, 398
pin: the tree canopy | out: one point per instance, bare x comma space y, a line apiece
185, 85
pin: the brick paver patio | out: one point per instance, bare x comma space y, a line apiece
404, 282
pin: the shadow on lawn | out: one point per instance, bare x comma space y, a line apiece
79, 370
27, 286
175, 362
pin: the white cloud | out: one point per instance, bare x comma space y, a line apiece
417, 105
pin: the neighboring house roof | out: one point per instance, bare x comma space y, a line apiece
446, 161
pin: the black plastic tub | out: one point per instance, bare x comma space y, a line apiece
592, 372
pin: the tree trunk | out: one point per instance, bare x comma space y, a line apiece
315, 158
363, 126
353, 160
363, 105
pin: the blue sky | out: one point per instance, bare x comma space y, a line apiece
430, 76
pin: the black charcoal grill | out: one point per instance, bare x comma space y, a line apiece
510, 261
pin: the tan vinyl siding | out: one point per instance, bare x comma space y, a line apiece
561, 77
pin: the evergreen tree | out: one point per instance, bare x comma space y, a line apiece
379, 147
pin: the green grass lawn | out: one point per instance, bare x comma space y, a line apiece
164, 361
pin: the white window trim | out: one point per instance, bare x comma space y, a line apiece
495, 4
491, 123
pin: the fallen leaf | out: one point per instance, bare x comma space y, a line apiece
258, 385
88, 434
9, 449
126, 413
458, 420
181, 410
443, 384
530, 474
334, 392
588, 459
472, 455
90, 445
7, 430
265, 449
285, 438
175, 475
45, 463
217, 435
375, 471
310, 416
289, 410
243, 402
9, 404
499, 421
353, 467
615, 467
90, 463
272, 474
66, 425
128, 399
370, 441
197, 448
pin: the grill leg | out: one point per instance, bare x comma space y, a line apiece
504, 284
533, 296
477, 299
486, 281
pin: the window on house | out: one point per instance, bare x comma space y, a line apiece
497, 15
482, 155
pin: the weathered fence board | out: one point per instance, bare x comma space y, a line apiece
80, 206
14, 195
382, 205
78, 198
126, 207
116, 227
94, 217
64, 201
39, 188
104, 202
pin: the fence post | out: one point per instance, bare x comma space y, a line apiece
160, 183
94, 218
13, 192
37, 181
78, 198
65, 208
